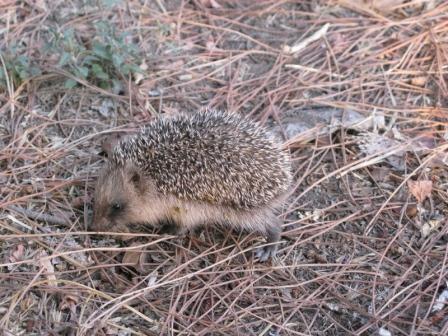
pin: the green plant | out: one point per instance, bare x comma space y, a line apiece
17, 65
103, 62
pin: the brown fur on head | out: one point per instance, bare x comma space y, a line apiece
111, 140
121, 196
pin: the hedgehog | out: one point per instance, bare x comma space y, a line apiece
179, 173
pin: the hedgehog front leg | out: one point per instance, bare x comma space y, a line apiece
273, 231
169, 226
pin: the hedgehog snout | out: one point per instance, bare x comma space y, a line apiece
98, 223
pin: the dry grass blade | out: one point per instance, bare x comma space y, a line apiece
364, 247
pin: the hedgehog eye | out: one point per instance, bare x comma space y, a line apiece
116, 207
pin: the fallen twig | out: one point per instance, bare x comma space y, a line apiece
39, 216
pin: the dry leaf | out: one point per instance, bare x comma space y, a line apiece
210, 45
420, 189
286, 294
48, 268
30, 325
42, 4
430, 226
132, 257
152, 278
419, 81
210, 3
138, 76
384, 6
333, 306
309, 124
185, 77
439, 161
17, 254
384, 332
442, 300
381, 174
78, 202
411, 211
425, 230
373, 144
69, 301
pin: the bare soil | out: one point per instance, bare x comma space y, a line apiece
362, 106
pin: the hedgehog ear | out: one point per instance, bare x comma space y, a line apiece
136, 177
108, 144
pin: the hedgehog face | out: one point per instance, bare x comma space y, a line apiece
119, 195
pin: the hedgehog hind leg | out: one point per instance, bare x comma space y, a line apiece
273, 231
171, 226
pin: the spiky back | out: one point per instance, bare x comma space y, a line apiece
218, 157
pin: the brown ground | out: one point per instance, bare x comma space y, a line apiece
365, 238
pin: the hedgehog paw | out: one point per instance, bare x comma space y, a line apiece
266, 252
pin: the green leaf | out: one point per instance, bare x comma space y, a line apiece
100, 50
117, 60
23, 74
135, 68
35, 71
102, 26
22, 59
70, 83
65, 58
82, 72
104, 85
126, 69
90, 59
69, 34
110, 3
99, 72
